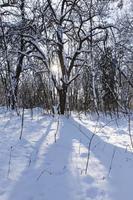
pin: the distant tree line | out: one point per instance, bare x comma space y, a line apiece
67, 54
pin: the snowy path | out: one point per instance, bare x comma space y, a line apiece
38, 168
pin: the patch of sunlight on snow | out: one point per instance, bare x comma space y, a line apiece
21, 166
94, 184
77, 162
117, 137
25, 151
111, 134
79, 159
33, 133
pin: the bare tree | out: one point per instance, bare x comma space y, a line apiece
66, 37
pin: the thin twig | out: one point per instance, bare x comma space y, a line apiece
112, 158
22, 125
88, 156
9, 163
58, 122
50, 173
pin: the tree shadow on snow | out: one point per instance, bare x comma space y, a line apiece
53, 179
117, 162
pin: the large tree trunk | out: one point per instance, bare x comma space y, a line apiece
62, 99
12, 92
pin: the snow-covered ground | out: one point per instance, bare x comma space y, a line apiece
49, 163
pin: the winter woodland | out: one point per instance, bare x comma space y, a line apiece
66, 99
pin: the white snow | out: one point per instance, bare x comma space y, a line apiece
49, 162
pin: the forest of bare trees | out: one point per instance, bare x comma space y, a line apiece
73, 54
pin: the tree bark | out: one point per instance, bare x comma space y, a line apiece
62, 99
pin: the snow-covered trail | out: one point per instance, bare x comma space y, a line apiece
42, 169
50, 174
